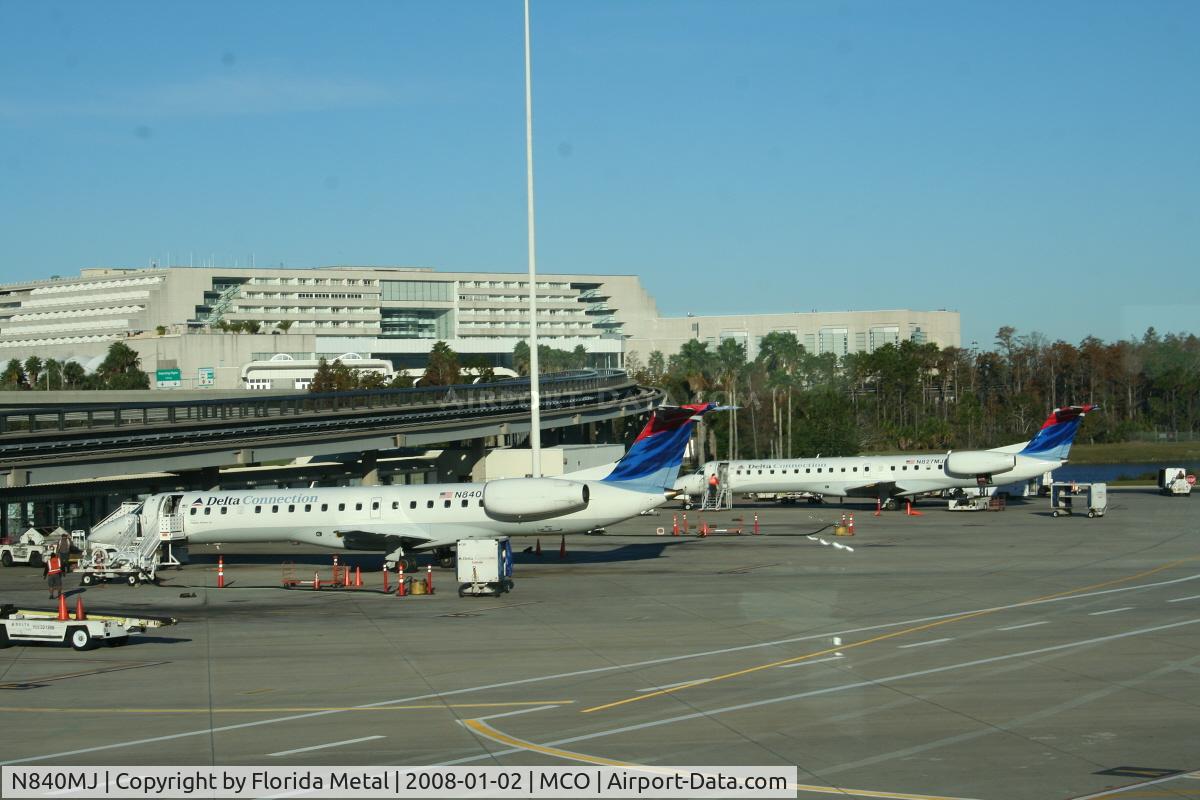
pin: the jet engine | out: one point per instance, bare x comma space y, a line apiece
972, 463
692, 485
529, 499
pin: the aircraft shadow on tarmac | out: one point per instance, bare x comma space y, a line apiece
372, 561
627, 552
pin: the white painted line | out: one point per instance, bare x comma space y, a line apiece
323, 746
520, 711
1111, 611
1026, 625
209, 731
834, 690
922, 644
1111, 793
806, 663
665, 686
1181, 599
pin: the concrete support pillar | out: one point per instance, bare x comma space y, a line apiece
209, 479
478, 449
369, 464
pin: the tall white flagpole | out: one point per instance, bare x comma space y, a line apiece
535, 400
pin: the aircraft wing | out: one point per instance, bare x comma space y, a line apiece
884, 489
385, 537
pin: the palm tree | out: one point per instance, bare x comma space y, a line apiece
779, 354
521, 358
442, 369
693, 366
121, 369
13, 376
33, 370
730, 361
73, 374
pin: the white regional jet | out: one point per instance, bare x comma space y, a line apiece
887, 478
400, 520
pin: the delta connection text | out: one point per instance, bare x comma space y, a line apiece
385, 782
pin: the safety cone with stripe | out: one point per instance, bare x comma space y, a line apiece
62, 608
850, 525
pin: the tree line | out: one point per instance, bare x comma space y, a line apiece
910, 396
444, 368
120, 369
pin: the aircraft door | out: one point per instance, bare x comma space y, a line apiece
376, 506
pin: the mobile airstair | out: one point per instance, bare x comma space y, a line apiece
717, 497
134, 542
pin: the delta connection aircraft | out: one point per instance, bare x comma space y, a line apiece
399, 520
887, 478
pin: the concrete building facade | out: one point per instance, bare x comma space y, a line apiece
174, 317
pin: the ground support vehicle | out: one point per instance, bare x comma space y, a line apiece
1071, 498
484, 566
33, 548
1175, 482
18, 627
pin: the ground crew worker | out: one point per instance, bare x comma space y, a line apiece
64, 552
54, 573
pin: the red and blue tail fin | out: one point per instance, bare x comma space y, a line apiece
654, 457
1053, 441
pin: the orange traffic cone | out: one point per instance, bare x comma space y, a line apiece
62, 607
878, 507
850, 525
79, 608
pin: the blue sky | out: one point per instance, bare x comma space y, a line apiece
1031, 164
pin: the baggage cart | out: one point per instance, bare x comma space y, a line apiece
1072, 498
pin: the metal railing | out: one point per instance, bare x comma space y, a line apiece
43, 431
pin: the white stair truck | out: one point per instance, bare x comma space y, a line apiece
146, 538
484, 566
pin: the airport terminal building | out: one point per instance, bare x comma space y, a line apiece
385, 318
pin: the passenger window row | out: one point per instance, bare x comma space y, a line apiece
340, 507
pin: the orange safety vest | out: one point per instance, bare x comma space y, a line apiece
54, 565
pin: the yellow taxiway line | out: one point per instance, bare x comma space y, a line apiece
880, 638
273, 709
488, 732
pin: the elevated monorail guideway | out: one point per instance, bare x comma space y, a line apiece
68, 441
